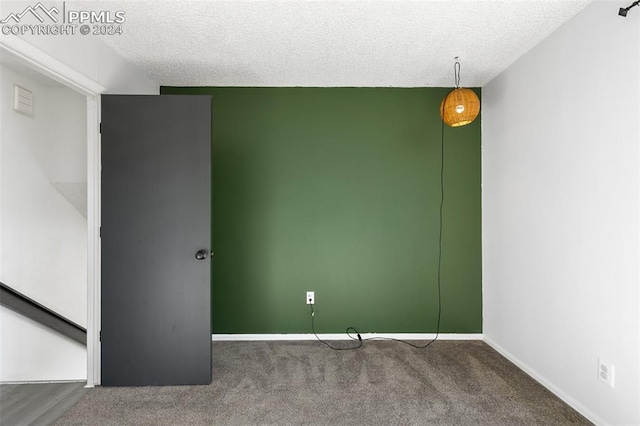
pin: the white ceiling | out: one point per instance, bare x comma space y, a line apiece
331, 43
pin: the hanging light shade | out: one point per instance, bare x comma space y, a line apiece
461, 106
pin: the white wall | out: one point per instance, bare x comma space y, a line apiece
93, 58
44, 237
561, 212
64, 155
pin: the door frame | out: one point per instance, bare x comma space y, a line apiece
51, 67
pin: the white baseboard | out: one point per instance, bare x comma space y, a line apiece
547, 384
30, 382
342, 336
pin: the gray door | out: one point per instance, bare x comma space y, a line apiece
156, 219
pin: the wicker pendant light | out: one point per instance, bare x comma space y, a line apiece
461, 106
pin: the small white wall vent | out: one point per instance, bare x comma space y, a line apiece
22, 100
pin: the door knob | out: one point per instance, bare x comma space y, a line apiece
201, 254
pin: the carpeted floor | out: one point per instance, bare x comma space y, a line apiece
295, 383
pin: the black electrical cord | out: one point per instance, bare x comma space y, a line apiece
359, 338
439, 259
335, 348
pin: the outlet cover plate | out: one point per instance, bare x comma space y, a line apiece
605, 372
311, 298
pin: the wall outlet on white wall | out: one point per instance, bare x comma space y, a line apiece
605, 372
311, 298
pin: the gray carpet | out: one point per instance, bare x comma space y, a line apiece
294, 383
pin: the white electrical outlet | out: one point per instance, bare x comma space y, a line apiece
311, 298
605, 372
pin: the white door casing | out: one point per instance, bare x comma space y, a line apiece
58, 71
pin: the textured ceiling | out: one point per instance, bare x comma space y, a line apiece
330, 43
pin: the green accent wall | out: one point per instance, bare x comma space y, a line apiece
337, 190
